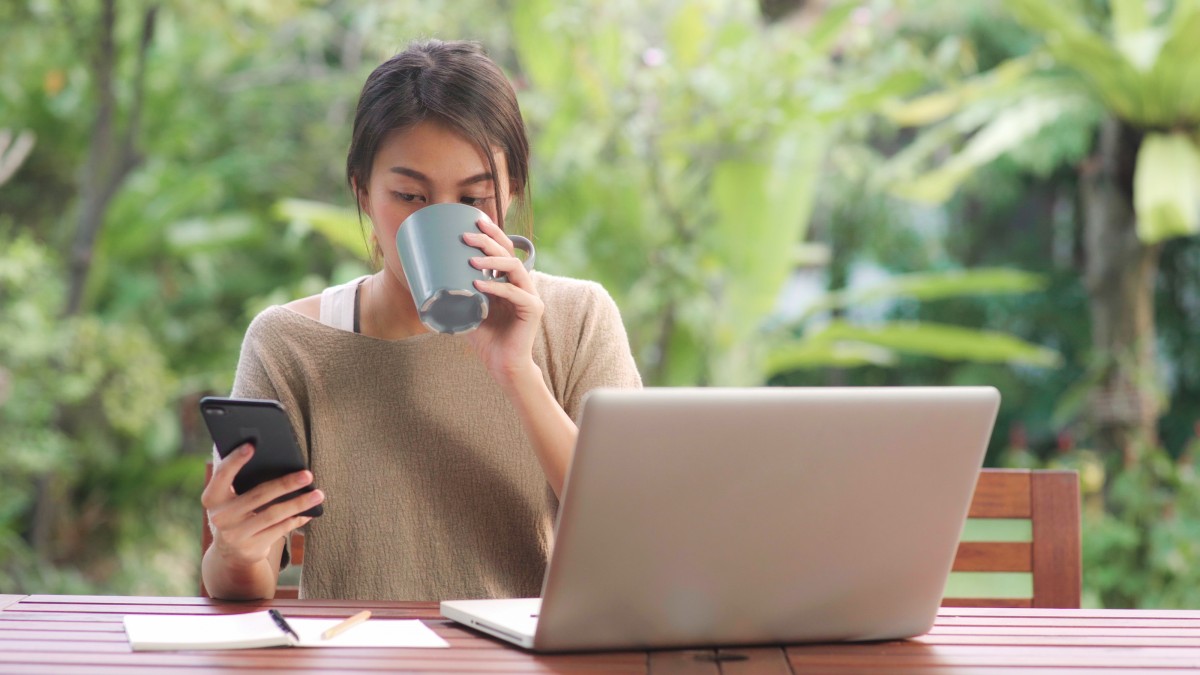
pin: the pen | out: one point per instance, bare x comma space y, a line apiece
283, 624
346, 625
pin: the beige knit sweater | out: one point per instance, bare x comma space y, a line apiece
432, 489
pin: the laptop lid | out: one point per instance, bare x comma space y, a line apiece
709, 516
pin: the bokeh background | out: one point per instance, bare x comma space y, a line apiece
781, 192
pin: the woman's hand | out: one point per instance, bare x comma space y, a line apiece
504, 341
244, 528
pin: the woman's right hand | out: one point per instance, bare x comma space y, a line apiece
243, 530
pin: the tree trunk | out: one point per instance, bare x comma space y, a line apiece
112, 155
1119, 274
776, 10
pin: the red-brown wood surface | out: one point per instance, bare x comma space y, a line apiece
1001, 493
1050, 500
1057, 566
83, 634
987, 602
981, 556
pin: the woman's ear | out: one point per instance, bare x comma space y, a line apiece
364, 201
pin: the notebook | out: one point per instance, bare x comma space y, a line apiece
148, 632
704, 517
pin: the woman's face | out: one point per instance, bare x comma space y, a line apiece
428, 163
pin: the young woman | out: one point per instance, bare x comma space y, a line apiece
439, 458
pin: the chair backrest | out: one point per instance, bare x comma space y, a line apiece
999, 545
1039, 510
297, 550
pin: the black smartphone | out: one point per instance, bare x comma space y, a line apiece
234, 421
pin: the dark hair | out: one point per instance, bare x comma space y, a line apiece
455, 83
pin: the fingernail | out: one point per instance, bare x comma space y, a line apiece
246, 450
316, 496
304, 478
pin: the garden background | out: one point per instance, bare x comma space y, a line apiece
783, 192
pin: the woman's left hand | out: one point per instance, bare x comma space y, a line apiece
504, 341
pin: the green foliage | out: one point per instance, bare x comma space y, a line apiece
1144, 549
845, 344
86, 434
1166, 187
694, 146
1144, 73
684, 153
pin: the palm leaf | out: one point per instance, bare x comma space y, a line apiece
1010, 127
943, 341
932, 286
1113, 78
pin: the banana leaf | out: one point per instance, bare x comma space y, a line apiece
1166, 187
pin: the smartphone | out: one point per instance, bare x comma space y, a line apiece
234, 421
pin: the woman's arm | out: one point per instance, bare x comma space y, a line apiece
505, 342
248, 535
227, 582
548, 426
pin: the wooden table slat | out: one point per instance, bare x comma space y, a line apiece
83, 634
683, 662
6, 600
759, 661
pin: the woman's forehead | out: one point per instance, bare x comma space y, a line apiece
435, 149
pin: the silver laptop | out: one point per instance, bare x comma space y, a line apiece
701, 517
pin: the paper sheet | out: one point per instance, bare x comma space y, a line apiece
370, 633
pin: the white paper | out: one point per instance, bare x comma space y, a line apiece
192, 631
258, 629
370, 633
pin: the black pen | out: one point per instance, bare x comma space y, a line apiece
282, 623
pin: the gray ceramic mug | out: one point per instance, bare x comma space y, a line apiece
437, 265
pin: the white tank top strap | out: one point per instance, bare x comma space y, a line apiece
337, 305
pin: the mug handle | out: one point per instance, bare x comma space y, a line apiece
523, 244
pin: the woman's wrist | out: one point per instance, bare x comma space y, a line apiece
519, 378
233, 580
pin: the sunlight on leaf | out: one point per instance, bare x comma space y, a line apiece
821, 354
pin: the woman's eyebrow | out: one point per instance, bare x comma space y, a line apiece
413, 173
477, 178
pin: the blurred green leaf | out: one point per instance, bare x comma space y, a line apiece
1167, 187
932, 286
943, 342
834, 18
826, 354
339, 225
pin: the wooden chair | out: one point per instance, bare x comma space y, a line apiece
1050, 501
284, 591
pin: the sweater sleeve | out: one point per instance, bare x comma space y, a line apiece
601, 357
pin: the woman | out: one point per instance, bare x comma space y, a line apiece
439, 458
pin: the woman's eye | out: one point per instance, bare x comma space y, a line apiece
408, 197
474, 201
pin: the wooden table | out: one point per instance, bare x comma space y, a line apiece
83, 634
